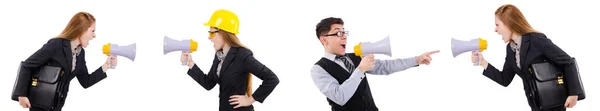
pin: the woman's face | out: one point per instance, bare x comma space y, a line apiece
88, 35
503, 30
216, 39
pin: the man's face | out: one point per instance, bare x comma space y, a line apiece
335, 40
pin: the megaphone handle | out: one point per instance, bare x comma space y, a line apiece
111, 65
185, 62
477, 60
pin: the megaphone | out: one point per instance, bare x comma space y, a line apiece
379, 47
125, 51
473, 45
187, 45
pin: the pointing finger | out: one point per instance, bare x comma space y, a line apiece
432, 52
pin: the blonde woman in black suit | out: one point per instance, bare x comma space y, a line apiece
526, 46
65, 51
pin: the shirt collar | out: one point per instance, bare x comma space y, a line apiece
221, 54
330, 56
76, 51
514, 46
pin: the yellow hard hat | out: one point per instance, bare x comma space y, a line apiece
224, 20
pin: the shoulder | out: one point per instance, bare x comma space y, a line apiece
322, 61
538, 39
243, 51
321, 65
535, 36
54, 43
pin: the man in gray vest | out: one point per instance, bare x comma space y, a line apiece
341, 76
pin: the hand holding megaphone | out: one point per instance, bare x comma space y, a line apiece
111, 62
367, 63
478, 59
128, 51
186, 59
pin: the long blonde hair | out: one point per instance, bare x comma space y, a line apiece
233, 41
79, 23
514, 19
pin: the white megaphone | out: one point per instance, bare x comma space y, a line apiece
474, 45
188, 45
125, 51
379, 47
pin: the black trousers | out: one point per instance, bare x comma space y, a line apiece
561, 108
42, 109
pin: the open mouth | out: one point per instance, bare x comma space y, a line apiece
344, 45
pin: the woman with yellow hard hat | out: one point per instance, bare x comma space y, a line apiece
232, 67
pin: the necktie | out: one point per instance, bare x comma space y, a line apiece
75, 54
349, 66
518, 57
516, 48
220, 56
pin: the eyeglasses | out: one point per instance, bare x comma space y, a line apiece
339, 34
211, 34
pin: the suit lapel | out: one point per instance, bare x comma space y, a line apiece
68, 55
228, 59
511, 59
524, 49
215, 64
212, 73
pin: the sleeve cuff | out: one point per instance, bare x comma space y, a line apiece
357, 74
260, 100
98, 72
101, 70
192, 69
412, 61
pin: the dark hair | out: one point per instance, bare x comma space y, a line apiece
325, 25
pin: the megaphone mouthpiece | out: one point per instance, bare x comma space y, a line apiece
482, 45
193, 45
357, 50
106, 49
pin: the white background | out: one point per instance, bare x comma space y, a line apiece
282, 36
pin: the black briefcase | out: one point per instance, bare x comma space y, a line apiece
44, 87
549, 86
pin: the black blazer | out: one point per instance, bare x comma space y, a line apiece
234, 76
57, 52
535, 48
